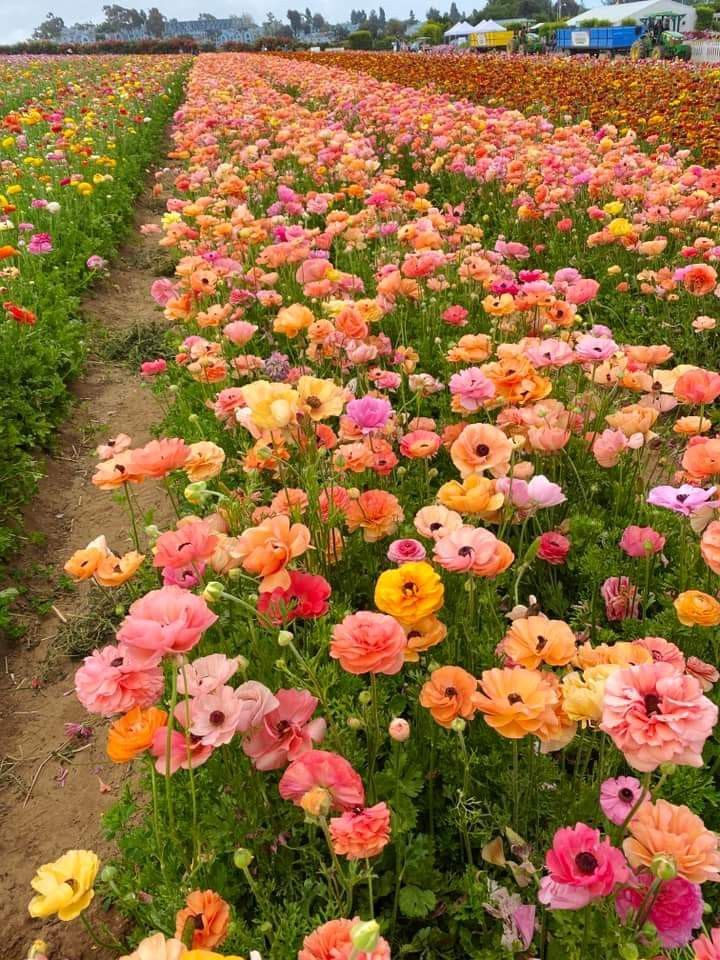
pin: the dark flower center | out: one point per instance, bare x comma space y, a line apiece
450, 692
117, 662
482, 449
681, 497
283, 726
586, 863
626, 795
314, 402
414, 634
217, 717
541, 641
465, 551
409, 587
199, 921
514, 698
652, 703
435, 526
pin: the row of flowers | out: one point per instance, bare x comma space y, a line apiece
425, 661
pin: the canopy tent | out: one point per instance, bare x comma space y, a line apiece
462, 29
488, 26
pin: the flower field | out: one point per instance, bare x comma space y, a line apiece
425, 663
669, 101
76, 134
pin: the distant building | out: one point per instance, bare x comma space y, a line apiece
639, 11
228, 30
76, 34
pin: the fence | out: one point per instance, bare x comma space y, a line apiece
705, 51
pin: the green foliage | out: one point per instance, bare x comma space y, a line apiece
360, 40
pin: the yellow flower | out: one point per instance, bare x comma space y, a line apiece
273, 406
410, 592
697, 609
320, 398
65, 887
614, 207
583, 693
620, 227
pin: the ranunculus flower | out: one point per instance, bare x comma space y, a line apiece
168, 620
581, 868
676, 911
307, 598
641, 541
368, 642
403, 551
286, 732
360, 834
327, 773
553, 548
618, 797
65, 887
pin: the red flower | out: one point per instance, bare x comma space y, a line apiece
554, 548
20, 313
306, 599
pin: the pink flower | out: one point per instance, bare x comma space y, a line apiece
404, 551
707, 946
641, 541
152, 368
663, 651
369, 413
215, 716
206, 674
333, 941
655, 715
607, 447
114, 446
239, 332
471, 388
675, 913
595, 349
190, 544
455, 316
618, 797
162, 291
582, 867
581, 291
685, 499
286, 732
256, 702
360, 834
550, 353
40, 243
399, 730
539, 492
305, 599
705, 673
327, 771
168, 620
621, 598
367, 642
106, 684
185, 751
553, 548
184, 577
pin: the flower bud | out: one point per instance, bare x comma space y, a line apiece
355, 723
280, 664
285, 638
365, 697
242, 858
193, 418
663, 867
399, 730
365, 935
628, 951
213, 591
458, 725
152, 532
316, 802
668, 769
120, 610
196, 493
108, 873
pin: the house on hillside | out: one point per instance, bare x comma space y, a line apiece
639, 11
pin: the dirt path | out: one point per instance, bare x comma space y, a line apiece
52, 799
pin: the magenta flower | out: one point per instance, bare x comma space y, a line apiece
685, 499
675, 913
40, 243
641, 541
582, 867
96, 262
369, 413
618, 797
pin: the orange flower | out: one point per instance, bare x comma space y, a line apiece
113, 571
710, 546
666, 830
699, 279
633, 419
697, 609
621, 654
531, 641
422, 635
516, 380
7, 251
516, 702
266, 550
114, 472
481, 447
472, 348
83, 563
291, 320
209, 915
132, 734
204, 461
475, 495
449, 693
376, 512
691, 426
702, 458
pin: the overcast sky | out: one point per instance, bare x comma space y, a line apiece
18, 18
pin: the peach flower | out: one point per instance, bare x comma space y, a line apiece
266, 550
664, 829
367, 642
376, 512
209, 916
531, 641
204, 461
481, 447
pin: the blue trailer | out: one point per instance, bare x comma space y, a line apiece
595, 40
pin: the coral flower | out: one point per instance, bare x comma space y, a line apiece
410, 592
473, 550
641, 541
449, 693
710, 546
517, 702
656, 715
305, 599
376, 512
64, 887
360, 834
266, 550
698, 386
481, 447
192, 544
132, 734
702, 458
420, 444
531, 641
367, 642
169, 620
209, 916
697, 609
707, 946
553, 548
666, 830
581, 868
332, 941
157, 458
327, 773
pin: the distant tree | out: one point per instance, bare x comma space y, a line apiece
433, 14
382, 19
318, 21
155, 24
122, 18
339, 32
308, 20
243, 21
50, 28
431, 31
360, 40
412, 18
206, 16
373, 24
394, 27
295, 18
270, 25
705, 16
455, 15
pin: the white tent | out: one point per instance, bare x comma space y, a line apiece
488, 26
463, 29
638, 10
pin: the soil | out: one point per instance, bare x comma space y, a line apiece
55, 788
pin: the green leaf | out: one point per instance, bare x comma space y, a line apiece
415, 902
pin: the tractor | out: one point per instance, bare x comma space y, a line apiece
659, 41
